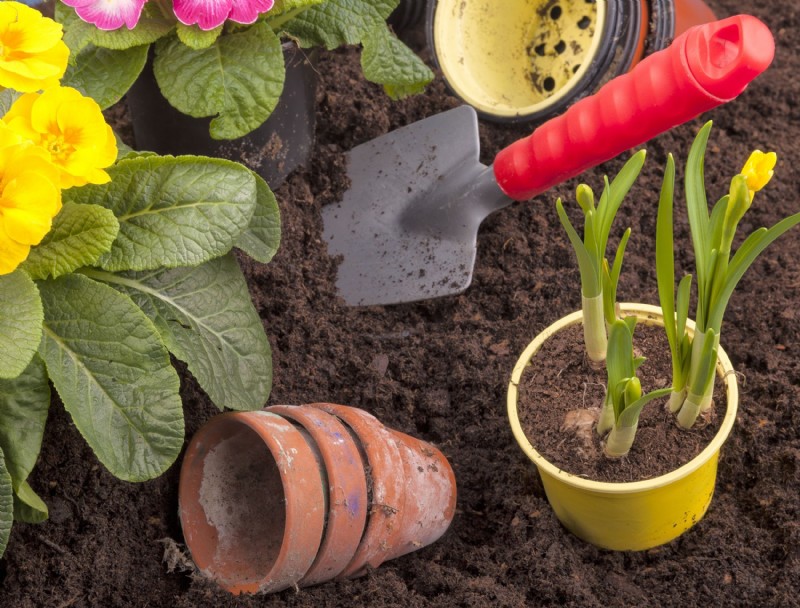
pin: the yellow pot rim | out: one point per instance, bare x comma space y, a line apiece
650, 315
448, 51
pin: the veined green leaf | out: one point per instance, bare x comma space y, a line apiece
173, 211
152, 25
388, 62
589, 281
28, 506
222, 80
79, 236
105, 75
262, 237
339, 22
20, 323
757, 242
205, 317
195, 38
284, 6
6, 505
108, 364
24, 402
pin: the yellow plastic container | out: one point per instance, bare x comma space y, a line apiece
637, 515
529, 60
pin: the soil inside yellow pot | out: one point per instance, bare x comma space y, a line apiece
631, 503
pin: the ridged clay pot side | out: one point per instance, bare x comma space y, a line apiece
409, 510
251, 502
346, 486
631, 516
298, 495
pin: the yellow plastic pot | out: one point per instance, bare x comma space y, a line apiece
528, 60
636, 515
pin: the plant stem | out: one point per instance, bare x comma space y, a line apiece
594, 328
690, 409
676, 399
620, 440
283, 18
606, 420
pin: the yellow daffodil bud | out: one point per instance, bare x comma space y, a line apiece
71, 128
32, 55
758, 170
29, 198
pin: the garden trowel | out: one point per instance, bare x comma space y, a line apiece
407, 228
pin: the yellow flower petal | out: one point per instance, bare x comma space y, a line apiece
12, 254
71, 128
32, 54
758, 170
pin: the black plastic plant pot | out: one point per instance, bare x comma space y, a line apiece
283, 143
530, 61
407, 14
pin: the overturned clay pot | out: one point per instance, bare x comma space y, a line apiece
300, 495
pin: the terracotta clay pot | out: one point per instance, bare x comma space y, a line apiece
299, 495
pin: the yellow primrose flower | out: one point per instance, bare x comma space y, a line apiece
32, 54
71, 128
29, 198
758, 170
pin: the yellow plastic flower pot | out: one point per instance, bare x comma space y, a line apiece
636, 515
528, 60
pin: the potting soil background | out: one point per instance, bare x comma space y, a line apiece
439, 370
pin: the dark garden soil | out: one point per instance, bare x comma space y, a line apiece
439, 370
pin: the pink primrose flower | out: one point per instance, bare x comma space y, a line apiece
108, 14
208, 14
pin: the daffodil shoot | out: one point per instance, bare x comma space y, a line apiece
717, 269
598, 279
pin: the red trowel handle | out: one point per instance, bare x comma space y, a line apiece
704, 67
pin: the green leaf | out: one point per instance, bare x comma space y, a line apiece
107, 362
285, 10
24, 402
339, 22
697, 207
262, 237
223, 80
756, 243
195, 38
665, 256
105, 75
79, 236
7, 98
173, 211
613, 195
28, 507
6, 505
20, 323
153, 24
590, 285
205, 317
388, 62
630, 416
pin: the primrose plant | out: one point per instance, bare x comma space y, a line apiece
598, 281
717, 270
107, 266
224, 58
